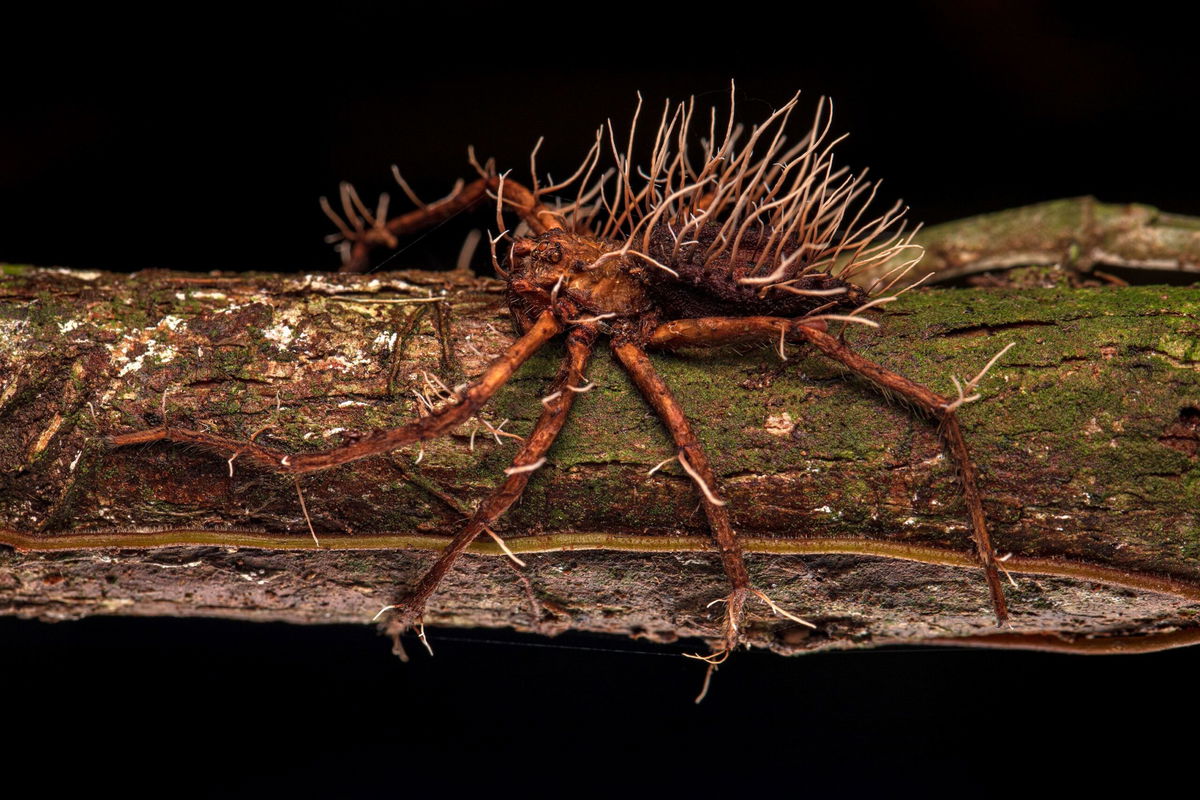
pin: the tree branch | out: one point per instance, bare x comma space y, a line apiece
1087, 438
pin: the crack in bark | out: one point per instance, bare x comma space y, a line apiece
561, 543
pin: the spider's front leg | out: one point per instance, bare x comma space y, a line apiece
439, 422
717, 331
532, 455
362, 230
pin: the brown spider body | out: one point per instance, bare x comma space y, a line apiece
577, 272
594, 278
756, 241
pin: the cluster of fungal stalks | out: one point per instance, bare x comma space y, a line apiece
734, 235
783, 207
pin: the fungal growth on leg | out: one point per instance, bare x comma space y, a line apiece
702, 233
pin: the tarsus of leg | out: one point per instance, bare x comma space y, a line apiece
663, 401
717, 331
383, 233
545, 431
435, 424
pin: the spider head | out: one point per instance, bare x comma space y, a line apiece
576, 273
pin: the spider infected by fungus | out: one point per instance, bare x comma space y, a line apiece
714, 234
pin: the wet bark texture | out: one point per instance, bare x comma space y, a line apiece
1088, 438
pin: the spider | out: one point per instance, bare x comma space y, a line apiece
730, 237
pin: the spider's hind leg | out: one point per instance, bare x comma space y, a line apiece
943, 411
718, 331
556, 405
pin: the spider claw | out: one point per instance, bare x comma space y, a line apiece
407, 617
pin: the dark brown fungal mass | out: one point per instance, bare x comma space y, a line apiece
715, 287
733, 235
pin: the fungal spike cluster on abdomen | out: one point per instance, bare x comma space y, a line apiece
734, 205
716, 286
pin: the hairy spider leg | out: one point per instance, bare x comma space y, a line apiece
660, 397
716, 331
532, 455
520, 199
437, 423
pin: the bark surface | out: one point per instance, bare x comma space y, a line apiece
1088, 441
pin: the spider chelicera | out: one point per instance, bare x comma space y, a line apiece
737, 237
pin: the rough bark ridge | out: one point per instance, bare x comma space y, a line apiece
1087, 438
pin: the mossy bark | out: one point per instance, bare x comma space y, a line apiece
1078, 238
1087, 438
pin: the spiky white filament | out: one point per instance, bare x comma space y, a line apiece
964, 389
525, 467
699, 479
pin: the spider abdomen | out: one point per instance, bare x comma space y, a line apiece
711, 278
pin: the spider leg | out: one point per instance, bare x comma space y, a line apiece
383, 233
470, 401
691, 453
531, 456
715, 331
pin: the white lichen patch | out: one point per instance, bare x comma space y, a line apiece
171, 322
352, 361
132, 366
285, 326
78, 274
780, 424
335, 362
160, 353
119, 350
281, 335
68, 326
386, 340
10, 328
322, 283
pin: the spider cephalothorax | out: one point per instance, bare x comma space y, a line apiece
575, 273
733, 235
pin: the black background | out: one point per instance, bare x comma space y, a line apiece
199, 137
